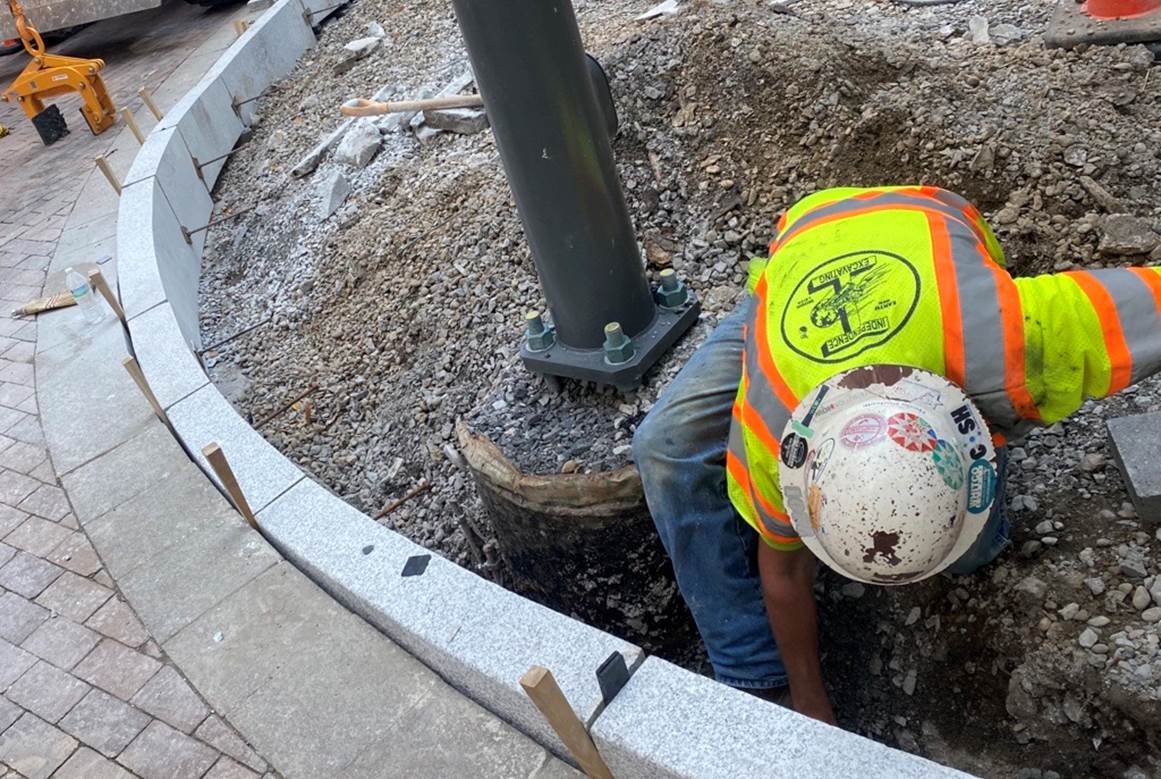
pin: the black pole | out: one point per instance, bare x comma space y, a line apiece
530, 67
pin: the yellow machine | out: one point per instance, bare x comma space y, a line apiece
52, 74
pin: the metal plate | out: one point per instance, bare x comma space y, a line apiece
590, 364
1070, 27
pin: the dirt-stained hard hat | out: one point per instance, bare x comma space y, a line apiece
888, 473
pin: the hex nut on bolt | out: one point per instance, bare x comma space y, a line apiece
538, 335
672, 292
618, 346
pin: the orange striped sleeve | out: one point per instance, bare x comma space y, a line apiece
1120, 358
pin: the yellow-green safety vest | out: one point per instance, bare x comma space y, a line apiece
914, 276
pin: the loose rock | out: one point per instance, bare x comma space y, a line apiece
333, 190
360, 144
1126, 235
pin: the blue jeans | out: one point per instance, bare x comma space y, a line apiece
680, 450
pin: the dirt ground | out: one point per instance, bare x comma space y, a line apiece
402, 311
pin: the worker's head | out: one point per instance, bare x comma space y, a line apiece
888, 473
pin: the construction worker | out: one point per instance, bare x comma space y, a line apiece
853, 410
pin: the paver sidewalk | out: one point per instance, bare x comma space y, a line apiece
85, 693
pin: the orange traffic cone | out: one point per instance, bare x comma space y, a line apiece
1121, 9
1104, 22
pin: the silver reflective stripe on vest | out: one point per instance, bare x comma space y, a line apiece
883, 200
1140, 322
737, 447
983, 328
760, 396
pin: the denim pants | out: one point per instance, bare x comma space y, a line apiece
680, 451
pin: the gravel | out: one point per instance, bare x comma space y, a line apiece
395, 294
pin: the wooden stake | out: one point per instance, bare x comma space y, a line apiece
97, 282
221, 466
135, 371
127, 115
148, 100
542, 688
103, 166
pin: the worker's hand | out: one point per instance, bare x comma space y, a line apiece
814, 704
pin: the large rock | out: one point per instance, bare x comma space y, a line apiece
355, 51
465, 121
360, 143
332, 192
1126, 235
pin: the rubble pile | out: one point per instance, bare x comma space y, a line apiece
385, 268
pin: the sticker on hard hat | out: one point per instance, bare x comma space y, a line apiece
981, 486
793, 451
912, 432
949, 464
814, 406
818, 459
863, 430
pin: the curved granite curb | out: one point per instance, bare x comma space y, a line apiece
477, 636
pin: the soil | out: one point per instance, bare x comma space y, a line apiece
402, 312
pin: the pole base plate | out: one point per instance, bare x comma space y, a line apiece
590, 365
1071, 26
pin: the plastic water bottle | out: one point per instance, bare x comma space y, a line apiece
83, 295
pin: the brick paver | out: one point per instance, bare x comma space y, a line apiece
33, 747
85, 693
74, 596
105, 723
168, 697
87, 764
117, 669
161, 751
28, 575
19, 617
61, 642
47, 691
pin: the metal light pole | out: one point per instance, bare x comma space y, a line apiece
530, 67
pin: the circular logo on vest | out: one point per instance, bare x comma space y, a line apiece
849, 304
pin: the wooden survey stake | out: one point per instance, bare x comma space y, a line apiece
103, 166
542, 688
221, 466
97, 282
148, 100
139, 377
131, 123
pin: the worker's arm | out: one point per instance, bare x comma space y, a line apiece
788, 589
1088, 334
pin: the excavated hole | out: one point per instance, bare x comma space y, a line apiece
404, 308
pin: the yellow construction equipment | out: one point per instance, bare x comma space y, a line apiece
53, 74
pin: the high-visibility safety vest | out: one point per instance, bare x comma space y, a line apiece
914, 276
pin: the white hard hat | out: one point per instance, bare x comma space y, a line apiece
888, 473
